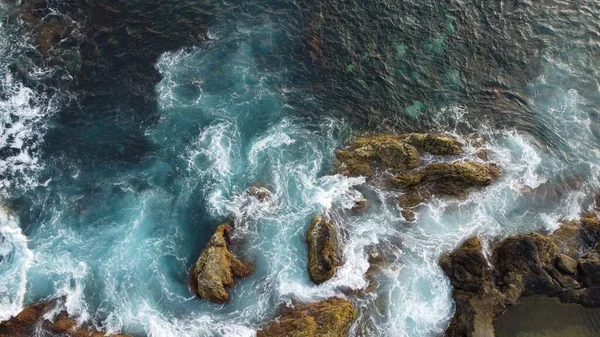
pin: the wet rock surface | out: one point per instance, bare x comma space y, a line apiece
324, 251
330, 318
32, 321
217, 268
399, 157
523, 265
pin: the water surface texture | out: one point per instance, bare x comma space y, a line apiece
114, 174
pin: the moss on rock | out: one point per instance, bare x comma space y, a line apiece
330, 318
33, 321
364, 155
217, 268
324, 252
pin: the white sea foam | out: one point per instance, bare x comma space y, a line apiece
15, 260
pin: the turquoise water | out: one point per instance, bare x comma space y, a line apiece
114, 222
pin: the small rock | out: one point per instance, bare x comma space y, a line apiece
216, 268
324, 252
260, 192
360, 207
566, 264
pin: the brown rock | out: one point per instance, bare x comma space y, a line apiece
454, 180
566, 264
521, 265
260, 192
477, 300
331, 318
435, 143
364, 155
360, 207
31, 322
324, 252
216, 268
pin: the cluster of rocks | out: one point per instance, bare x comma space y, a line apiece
399, 157
565, 264
33, 321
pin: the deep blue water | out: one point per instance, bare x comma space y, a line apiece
114, 179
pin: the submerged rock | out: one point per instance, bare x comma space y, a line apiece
32, 321
523, 265
217, 268
324, 252
331, 318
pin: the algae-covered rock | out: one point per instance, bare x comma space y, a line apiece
331, 318
324, 252
443, 179
364, 155
435, 143
217, 268
32, 321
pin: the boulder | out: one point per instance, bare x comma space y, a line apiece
324, 251
443, 179
435, 143
33, 321
360, 207
363, 156
261, 192
330, 318
477, 299
217, 268
566, 264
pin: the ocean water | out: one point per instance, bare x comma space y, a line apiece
110, 205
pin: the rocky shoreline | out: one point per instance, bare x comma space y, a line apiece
564, 264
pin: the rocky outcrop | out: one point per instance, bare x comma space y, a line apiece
476, 297
217, 268
399, 157
565, 264
324, 252
331, 318
363, 156
32, 322
435, 143
443, 179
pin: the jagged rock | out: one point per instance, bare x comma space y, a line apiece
217, 268
477, 299
435, 143
566, 264
324, 252
31, 322
364, 155
522, 265
331, 318
453, 179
